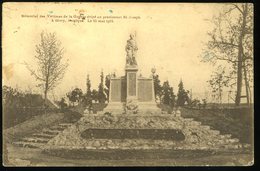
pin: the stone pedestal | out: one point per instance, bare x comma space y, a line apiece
132, 94
131, 83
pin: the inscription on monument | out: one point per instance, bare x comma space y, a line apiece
145, 90
132, 84
115, 94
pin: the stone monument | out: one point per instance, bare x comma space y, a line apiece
135, 127
131, 94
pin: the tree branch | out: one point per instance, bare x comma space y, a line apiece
237, 7
226, 43
33, 72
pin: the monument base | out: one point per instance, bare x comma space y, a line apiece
148, 108
114, 108
142, 108
131, 134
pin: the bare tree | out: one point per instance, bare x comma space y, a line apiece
51, 66
232, 44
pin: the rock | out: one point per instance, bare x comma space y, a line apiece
96, 144
178, 113
86, 111
233, 140
109, 142
246, 145
164, 112
221, 141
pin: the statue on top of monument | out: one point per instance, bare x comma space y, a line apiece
131, 49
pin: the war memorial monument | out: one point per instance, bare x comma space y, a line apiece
131, 93
133, 126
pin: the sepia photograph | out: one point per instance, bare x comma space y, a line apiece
127, 84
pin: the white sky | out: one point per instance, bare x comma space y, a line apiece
169, 36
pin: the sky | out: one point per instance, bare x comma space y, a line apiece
170, 37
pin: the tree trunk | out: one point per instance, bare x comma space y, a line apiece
250, 95
239, 80
246, 84
45, 101
240, 57
45, 98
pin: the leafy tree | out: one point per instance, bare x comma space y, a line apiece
182, 95
95, 95
101, 94
204, 103
168, 96
107, 84
157, 85
172, 97
75, 95
194, 103
8, 94
50, 65
88, 96
62, 103
12, 97
231, 44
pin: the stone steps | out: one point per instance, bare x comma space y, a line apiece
51, 132
65, 125
188, 119
195, 123
43, 135
214, 132
232, 146
225, 136
222, 139
59, 128
205, 127
29, 144
35, 139
209, 135
232, 140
